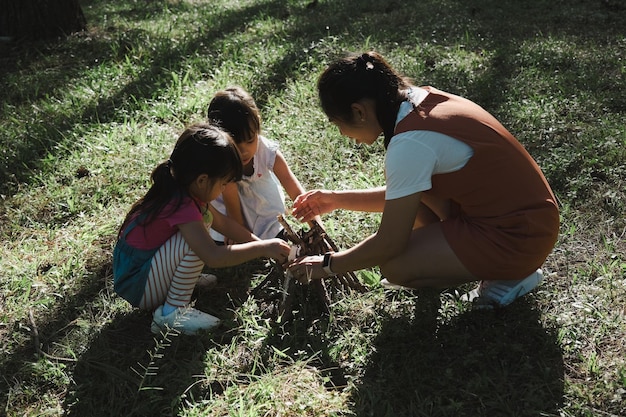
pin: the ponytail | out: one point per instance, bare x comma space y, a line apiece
163, 187
357, 77
201, 149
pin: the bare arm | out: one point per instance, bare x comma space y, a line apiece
233, 203
286, 177
370, 200
230, 228
389, 241
317, 202
288, 180
214, 256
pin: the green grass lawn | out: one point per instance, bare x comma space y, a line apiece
83, 121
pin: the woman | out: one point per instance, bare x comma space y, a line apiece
463, 199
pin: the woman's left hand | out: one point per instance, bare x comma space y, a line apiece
312, 204
307, 269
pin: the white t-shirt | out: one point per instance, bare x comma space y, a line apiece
261, 194
413, 157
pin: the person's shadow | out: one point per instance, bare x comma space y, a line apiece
502, 362
431, 359
128, 371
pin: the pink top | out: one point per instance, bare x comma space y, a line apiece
156, 233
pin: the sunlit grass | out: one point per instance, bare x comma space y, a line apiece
84, 120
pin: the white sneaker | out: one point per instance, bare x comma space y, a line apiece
385, 283
186, 320
206, 281
503, 292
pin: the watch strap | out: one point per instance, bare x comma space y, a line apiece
326, 263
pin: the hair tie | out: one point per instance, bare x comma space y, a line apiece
367, 61
169, 164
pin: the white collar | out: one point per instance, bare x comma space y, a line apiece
416, 95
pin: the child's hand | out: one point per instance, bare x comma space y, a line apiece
277, 249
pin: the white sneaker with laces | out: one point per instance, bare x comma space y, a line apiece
186, 320
503, 292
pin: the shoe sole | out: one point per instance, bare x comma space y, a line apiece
178, 324
155, 328
388, 285
522, 288
506, 296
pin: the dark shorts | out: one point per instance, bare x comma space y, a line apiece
507, 247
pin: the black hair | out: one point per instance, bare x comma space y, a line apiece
201, 149
234, 110
357, 77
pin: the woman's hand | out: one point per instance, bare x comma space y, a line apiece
313, 203
307, 269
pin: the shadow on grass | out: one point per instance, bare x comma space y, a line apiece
121, 369
507, 353
149, 81
62, 333
129, 371
478, 363
450, 22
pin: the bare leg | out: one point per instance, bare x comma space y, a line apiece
425, 216
431, 210
428, 262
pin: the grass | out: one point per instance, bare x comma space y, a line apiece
83, 121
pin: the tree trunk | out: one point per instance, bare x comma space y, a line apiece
40, 19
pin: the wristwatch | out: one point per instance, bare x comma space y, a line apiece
326, 263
